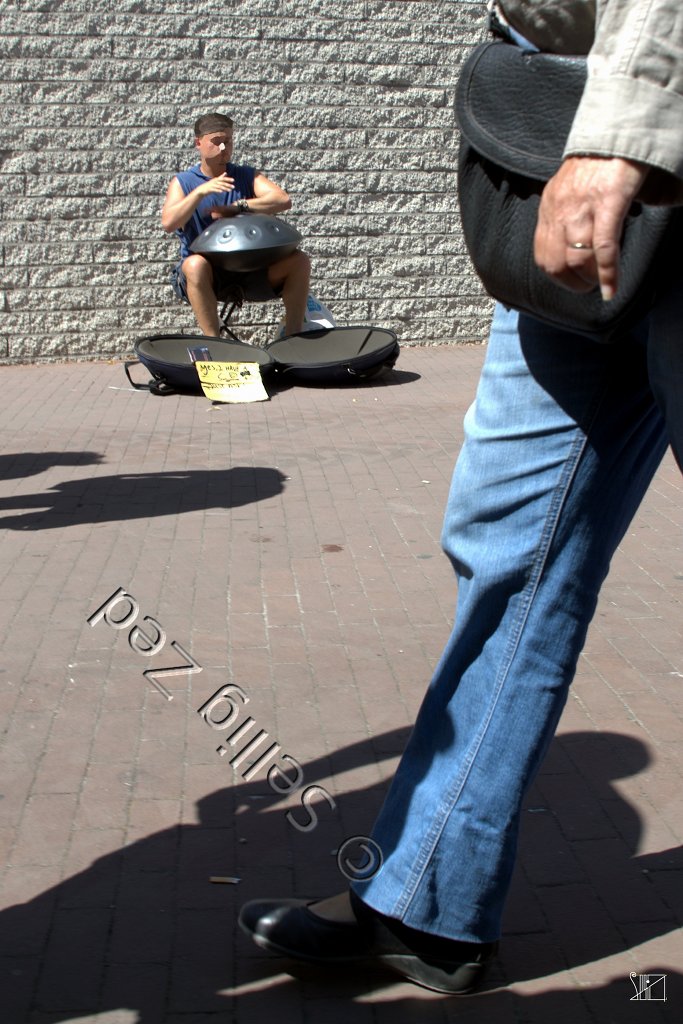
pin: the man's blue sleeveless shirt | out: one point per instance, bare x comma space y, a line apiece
201, 218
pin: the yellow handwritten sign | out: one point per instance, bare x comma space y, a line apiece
231, 382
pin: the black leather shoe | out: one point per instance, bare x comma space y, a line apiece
290, 928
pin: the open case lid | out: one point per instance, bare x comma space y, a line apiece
167, 358
335, 353
331, 355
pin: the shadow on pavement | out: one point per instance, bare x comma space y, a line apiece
142, 928
17, 465
103, 499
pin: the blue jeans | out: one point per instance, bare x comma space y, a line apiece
560, 445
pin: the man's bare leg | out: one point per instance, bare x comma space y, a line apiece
293, 275
199, 286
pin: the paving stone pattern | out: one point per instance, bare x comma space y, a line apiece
348, 106
291, 548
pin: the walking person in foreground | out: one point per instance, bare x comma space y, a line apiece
560, 446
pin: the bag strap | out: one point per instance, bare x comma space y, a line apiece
157, 386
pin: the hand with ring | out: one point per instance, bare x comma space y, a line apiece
580, 221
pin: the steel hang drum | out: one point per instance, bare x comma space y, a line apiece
247, 241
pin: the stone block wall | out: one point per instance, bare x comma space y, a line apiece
348, 106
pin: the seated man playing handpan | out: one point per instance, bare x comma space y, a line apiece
214, 188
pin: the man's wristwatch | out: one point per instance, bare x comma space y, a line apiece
242, 205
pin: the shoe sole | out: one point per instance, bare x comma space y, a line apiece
462, 981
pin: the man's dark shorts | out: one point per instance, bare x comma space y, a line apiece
252, 286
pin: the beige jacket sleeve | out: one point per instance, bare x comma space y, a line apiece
633, 102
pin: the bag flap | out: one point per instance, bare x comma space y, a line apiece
516, 108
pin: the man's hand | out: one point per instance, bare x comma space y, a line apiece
222, 183
580, 221
178, 207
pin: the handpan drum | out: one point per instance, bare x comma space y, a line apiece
247, 241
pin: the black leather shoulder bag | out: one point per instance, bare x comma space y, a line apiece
515, 110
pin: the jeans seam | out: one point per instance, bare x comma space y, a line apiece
557, 503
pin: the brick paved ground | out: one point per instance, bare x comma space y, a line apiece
292, 548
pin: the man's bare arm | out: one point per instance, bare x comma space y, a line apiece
268, 198
178, 208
